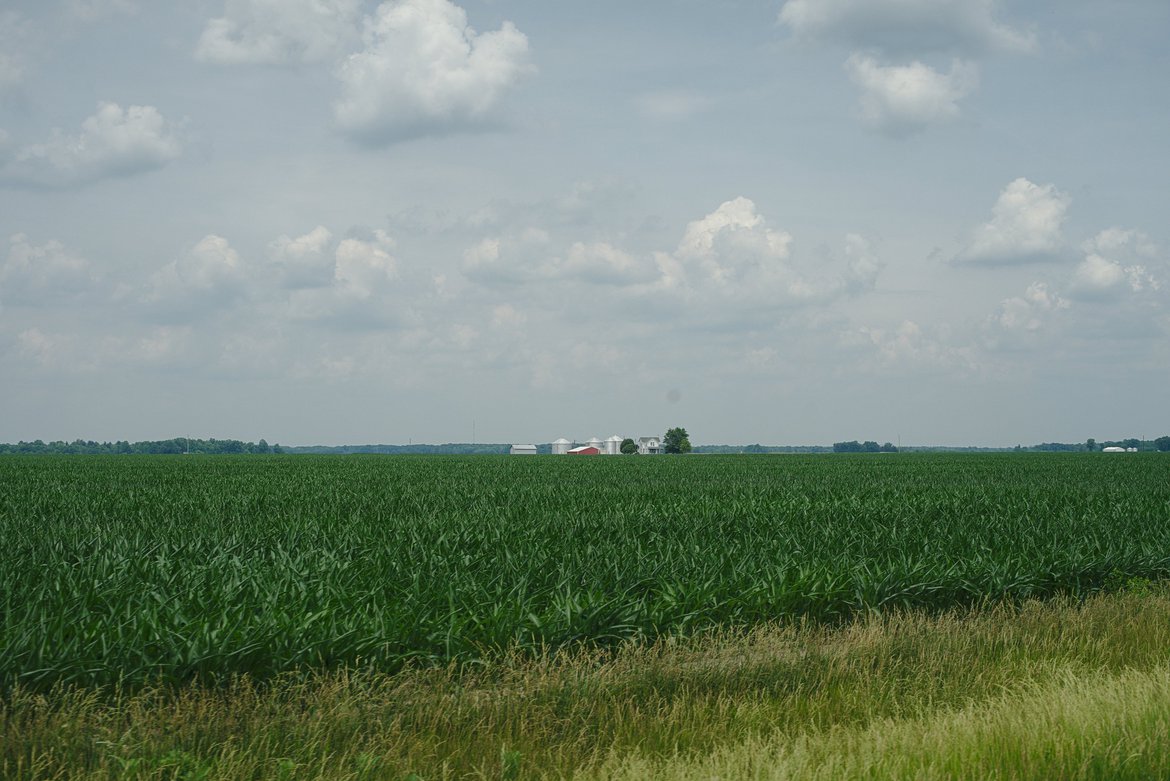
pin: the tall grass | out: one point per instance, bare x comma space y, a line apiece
132, 570
1052, 689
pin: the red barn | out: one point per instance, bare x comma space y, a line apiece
585, 450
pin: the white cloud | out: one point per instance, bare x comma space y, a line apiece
1028, 313
113, 142
731, 266
1114, 241
900, 27
602, 263
529, 256
209, 277
424, 70
365, 267
732, 251
304, 261
903, 99
31, 273
364, 275
278, 32
910, 345
511, 259
1116, 262
728, 264
1026, 225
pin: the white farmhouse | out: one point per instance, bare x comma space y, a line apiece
649, 446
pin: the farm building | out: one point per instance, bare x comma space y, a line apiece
584, 450
523, 450
608, 447
649, 446
1113, 450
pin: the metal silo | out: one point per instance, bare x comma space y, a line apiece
561, 447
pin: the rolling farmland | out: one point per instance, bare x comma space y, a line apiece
139, 569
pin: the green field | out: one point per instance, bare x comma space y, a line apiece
129, 570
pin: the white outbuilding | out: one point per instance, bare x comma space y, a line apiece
1113, 450
523, 450
561, 447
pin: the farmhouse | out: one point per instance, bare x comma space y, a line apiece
649, 446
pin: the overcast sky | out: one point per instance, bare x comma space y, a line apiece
339, 221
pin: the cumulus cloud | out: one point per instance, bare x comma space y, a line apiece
732, 265
728, 247
521, 257
303, 262
529, 256
1026, 226
906, 27
365, 267
208, 278
424, 70
1116, 262
728, 264
895, 43
903, 99
603, 264
32, 274
910, 345
1026, 314
277, 32
363, 279
114, 142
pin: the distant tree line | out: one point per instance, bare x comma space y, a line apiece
869, 446
758, 449
175, 446
1161, 444
181, 445
450, 449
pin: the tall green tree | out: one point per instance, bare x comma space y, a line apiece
629, 447
676, 441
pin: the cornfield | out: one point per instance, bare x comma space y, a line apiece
125, 570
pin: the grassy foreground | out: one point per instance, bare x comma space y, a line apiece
1051, 689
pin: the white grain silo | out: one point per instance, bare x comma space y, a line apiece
561, 447
613, 446
597, 443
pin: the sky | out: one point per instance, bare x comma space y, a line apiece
344, 221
